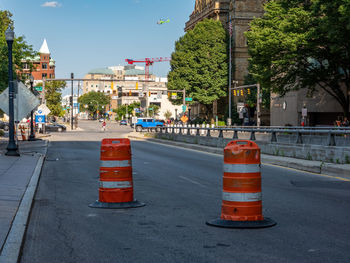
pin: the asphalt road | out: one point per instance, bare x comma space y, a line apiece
182, 190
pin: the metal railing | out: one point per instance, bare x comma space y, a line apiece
296, 135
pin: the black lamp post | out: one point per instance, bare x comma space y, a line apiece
12, 149
31, 136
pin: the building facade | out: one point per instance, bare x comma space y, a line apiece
127, 84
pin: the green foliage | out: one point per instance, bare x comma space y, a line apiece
121, 110
303, 44
20, 51
93, 101
167, 115
53, 96
199, 64
154, 111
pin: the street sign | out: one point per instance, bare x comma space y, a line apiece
137, 110
38, 88
304, 112
174, 95
188, 99
24, 102
40, 118
133, 120
184, 107
150, 108
44, 110
159, 95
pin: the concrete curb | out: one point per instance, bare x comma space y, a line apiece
339, 171
13, 244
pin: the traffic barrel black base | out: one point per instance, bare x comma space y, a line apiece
123, 205
266, 222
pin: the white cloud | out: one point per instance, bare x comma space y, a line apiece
51, 4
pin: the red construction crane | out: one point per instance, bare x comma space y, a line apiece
148, 62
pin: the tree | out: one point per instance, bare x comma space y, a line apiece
53, 96
199, 64
93, 101
303, 44
122, 110
21, 51
167, 115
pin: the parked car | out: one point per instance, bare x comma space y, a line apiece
4, 125
101, 119
123, 122
147, 123
55, 127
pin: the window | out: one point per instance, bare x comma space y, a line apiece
92, 85
44, 66
96, 86
44, 75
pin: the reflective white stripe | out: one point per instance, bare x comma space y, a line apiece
108, 184
241, 168
241, 197
110, 164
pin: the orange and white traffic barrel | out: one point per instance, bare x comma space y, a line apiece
241, 195
116, 182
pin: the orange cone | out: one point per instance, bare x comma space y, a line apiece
116, 184
241, 197
23, 132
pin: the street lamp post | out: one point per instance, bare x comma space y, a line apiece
72, 103
31, 136
12, 149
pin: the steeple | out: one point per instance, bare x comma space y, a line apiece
44, 48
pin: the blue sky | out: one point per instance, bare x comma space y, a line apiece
87, 34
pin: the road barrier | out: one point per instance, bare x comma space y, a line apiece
116, 183
23, 132
241, 196
337, 136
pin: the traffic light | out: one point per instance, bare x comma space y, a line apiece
149, 94
168, 94
137, 85
248, 90
129, 92
241, 92
70, 100
234, 92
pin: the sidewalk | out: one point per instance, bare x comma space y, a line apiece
18, 181
341, 171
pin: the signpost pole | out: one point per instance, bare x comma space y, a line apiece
31, 136
72, 104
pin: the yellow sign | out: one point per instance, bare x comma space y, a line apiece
173, 94
184, 118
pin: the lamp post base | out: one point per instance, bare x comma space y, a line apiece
31, 138
12, 152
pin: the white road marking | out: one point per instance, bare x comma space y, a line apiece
192, 181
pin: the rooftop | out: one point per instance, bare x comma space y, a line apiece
101, 71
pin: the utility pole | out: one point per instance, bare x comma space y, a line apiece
258, 113
71, 102
229, 121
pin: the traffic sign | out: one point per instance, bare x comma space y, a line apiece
24, 102
184, 118
188, 99
40, 118
184, 107
150, 108
43, 109
38, 88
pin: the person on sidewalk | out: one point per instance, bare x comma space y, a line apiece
104, 125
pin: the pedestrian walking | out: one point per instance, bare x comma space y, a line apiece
104, 125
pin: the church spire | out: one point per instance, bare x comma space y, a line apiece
44, 48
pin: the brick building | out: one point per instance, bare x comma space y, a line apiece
43, 64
